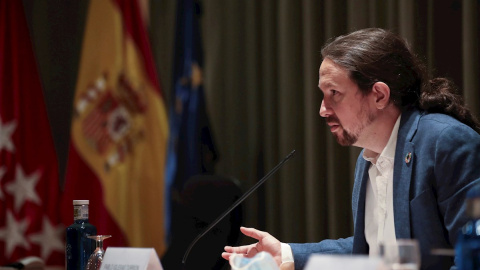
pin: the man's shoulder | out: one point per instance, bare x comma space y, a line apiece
441, 125
421, 126
439, 121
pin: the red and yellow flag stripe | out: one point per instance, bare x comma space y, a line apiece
119, 128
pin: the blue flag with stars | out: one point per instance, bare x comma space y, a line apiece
191, 148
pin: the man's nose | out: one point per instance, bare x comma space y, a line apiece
324, 110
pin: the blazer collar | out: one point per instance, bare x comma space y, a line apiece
405, 159
408, 125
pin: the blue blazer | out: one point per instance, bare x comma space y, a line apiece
429, 188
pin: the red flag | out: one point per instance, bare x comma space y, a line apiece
119, 130
29, 186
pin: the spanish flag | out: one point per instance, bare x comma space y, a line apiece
119, 130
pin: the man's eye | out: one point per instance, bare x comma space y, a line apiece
334, 92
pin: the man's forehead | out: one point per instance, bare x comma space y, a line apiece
325, 68
328, 66
324, 84
329, 72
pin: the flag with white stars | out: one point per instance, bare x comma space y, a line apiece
29, 184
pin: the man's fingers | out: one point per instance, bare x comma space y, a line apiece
254, 233
226, 255
248, 250
240, 249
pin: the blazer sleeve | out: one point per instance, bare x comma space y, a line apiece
301, 252
457, 161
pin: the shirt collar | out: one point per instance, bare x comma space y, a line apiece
389, 151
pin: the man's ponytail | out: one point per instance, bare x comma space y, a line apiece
441, 95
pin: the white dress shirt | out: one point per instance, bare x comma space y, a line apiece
379, 222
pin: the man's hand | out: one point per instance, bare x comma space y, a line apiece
266, 243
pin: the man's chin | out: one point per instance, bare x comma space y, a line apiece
344, 140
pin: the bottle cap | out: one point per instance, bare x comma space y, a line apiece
80, 202
472, 202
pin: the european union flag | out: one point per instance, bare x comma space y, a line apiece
191, 148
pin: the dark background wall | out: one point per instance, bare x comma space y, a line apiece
261, 73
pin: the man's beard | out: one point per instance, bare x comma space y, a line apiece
349, 138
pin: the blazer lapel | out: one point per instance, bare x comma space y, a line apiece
358, 200
402, 173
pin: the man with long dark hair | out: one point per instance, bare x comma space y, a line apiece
421, 150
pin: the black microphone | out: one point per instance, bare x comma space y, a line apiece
240, 200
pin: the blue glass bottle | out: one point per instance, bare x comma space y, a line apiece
78, 247
467, 248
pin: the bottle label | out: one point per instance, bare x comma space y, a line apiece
80, 212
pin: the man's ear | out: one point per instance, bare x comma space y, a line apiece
381, 94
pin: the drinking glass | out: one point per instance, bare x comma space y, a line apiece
402, 255
95, 260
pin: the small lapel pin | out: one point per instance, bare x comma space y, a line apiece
408, 157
